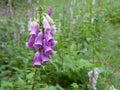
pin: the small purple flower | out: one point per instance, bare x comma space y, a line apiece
22, 30
34, 29
10, 12
48, 50
39, 40
45, 58
30, 43
37, 59
47, 36
50, 11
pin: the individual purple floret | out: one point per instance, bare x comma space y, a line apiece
34, 29
10, 12
50, 11
37, 59
45, 58
38, 41
30, 43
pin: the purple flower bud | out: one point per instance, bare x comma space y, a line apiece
39, 40
50, 11
10, 13
46, 24
34, 29
50, 20
22, 30
37, 59
30, 43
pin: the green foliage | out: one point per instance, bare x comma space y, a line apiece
87, 35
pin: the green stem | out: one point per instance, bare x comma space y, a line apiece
33, 84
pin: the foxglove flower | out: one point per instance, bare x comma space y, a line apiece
93, 76
30, 43
10, 12
22, 30
45, 58
50, 11
37, 59
16, 36
38, 41
53, 30
42, 41
34, 29
48, 49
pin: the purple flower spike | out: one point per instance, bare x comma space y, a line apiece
38, 40
46, 24
10, 13
44, 58
37, 59
50, 11
34, 29
30, 43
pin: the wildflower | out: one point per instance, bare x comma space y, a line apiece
22, 30
30, 43
43, 41
10, 12
50, 11
16, 36
34, 28
38, 41
93, 76
37, 59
